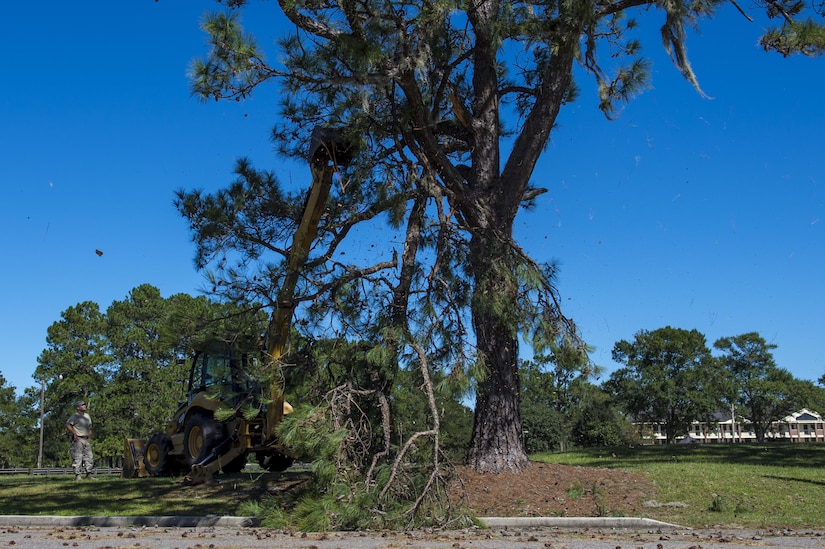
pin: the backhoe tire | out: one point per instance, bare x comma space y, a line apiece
156, 459
274, 462
201, 436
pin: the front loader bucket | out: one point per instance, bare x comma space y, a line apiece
133, 458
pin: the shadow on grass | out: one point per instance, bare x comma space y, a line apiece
767, 454
792, 479
114, 496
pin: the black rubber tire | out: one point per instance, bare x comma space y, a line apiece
156, 458
236, 465
274, 461
201, 436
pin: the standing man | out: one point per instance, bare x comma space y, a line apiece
79, 425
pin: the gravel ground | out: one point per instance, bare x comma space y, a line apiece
494, 538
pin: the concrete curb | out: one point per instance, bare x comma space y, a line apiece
169, 521
627, 523
574, 522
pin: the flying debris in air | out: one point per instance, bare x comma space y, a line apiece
99, 253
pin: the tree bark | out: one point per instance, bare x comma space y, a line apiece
497, 443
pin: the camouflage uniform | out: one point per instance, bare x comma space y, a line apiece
79, 425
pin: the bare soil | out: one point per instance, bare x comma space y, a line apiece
542, 489
553, 490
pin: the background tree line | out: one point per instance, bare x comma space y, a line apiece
128, 363
669, 376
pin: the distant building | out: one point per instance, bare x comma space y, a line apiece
801, 426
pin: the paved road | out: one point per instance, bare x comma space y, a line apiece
225, 537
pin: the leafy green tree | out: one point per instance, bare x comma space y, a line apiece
76, 355
73, 367
669, 377
551, 395
16, 429
545, 425
143, 378
450, 106
562, 408
8, 416
545, 428
759, 386
806, 394
28, 406
597, 422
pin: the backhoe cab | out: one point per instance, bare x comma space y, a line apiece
230, 413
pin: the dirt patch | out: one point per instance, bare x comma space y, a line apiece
544, 489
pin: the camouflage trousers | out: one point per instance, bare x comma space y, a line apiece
82, 459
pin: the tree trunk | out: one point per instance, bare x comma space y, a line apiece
759, 430
497, 443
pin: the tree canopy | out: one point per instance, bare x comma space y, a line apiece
447, 106
764, 391
669, 377
15, 427
126, 362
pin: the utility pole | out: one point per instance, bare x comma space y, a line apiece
40, 448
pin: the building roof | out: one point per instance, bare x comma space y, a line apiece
803, 415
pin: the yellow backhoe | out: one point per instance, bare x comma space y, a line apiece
213, 430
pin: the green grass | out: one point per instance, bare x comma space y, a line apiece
752, 485
696, 485
110, 495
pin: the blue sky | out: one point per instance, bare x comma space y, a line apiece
686, 211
